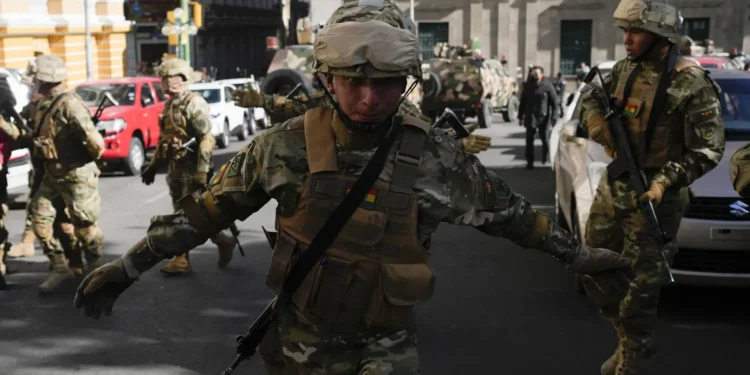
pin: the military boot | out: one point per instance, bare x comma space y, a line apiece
610, 365
75, 261
225, 246
178, 265
60, 273
25, 248
630, 362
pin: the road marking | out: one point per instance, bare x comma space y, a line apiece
157, 197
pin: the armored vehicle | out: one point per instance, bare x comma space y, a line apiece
469, 85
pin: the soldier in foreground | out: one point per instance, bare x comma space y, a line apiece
185, 116
68, 143
676, 140
352, 315
739, 171
290, 108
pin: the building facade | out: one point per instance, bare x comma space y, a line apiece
232, 39
32, 27
560, 34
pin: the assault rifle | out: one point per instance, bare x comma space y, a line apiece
107, 96
625, 163
449, 117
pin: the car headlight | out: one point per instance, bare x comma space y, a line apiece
112, 126
596, 170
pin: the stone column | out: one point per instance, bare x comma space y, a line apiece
111, 42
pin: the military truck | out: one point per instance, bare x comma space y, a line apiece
469, 85
291, 65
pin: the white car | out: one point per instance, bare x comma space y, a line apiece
569, 106
259, 115
21, 91
227, 119
19, 167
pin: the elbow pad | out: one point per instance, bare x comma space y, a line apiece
203, 213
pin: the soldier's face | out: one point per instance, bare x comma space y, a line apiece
637, 41
368, 101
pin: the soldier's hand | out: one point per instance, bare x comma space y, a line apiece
655, 193
591, 260
248, 98
200, 178
99, 290
598, 129
476, 143
471, 127
148, 174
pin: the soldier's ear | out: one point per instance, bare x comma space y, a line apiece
329, 84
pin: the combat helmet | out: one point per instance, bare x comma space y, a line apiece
368, 38
659, 18
50, 68
30, 72
176, 67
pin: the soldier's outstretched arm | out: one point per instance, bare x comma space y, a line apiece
472, 195
79, 119
199, 126
235, 193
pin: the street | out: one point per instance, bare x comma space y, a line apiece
497, 309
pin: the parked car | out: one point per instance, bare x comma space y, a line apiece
227, 118
21, 91
19, 167
132, 126
715, 62
714, 233
259, 119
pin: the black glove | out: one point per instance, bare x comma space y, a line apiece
148, 174
607, 287
99, 290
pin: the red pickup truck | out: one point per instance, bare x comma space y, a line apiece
131, 127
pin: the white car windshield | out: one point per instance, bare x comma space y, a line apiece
211, 95
93, 94
735, 107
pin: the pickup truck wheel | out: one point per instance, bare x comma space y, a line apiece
136, 157
265, 122
484, 115
223, 139
511, 113
245, 129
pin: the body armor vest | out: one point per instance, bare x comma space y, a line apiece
376, 270
667, 140
174, 128
54, 141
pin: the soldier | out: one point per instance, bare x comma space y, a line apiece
676, 140
185, 116
348, 321
739, 171
291, 108
68, 144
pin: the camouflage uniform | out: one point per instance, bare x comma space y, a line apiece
353, 314
185, 116
687, 142
68, 143
739, 171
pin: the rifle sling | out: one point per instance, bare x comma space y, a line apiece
55, 104
323, 240
661, 97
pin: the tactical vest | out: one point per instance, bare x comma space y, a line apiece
54, 141
667, 140
174, 128
376, 270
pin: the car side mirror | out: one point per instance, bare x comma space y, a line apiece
569, 101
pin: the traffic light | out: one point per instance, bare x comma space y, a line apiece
172, 39
197, 13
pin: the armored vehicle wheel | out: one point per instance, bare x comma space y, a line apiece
282, 81
511, 113
484, 114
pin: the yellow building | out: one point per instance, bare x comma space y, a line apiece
32, 27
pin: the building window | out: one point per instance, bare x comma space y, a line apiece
430, 34
696, 28
575, 45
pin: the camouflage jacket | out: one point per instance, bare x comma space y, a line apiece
692, 105
452, 187
197, 115
739, 171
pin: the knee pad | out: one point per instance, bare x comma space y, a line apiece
42, 230
91, 238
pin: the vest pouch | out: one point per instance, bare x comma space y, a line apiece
402, 286
46, 147
659, 148
285, 247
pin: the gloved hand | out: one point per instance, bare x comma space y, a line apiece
9, 129
590, 260
471, 127
248, 98
598, 129
606, 287
200, 178
99, 290
476, 143
655, 193
148, 174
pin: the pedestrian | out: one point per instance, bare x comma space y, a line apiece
537, 111
185, 116
68, 144
356, 316
676, 134
560, 91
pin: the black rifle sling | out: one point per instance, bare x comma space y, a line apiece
661, 97
323, 240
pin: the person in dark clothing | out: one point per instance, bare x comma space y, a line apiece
560, 91
539, 105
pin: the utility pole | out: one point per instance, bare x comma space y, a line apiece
87, 22
411, 10
186, 40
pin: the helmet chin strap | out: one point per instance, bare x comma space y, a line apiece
356, 126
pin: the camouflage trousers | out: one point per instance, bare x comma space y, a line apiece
294, 348
63, 228
615, 222
180, 182
79, 191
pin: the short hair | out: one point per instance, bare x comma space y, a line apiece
538, 67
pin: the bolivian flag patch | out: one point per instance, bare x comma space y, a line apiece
217, 177
369, 201
630, 110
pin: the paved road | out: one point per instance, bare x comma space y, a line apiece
497, 309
